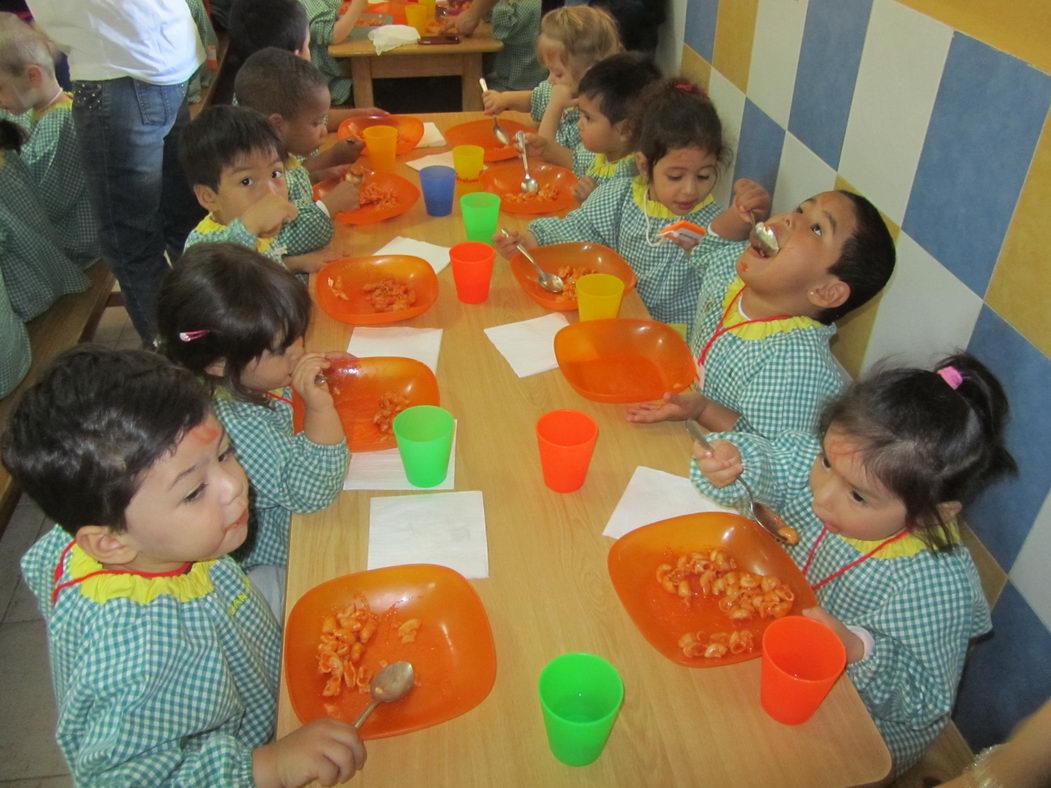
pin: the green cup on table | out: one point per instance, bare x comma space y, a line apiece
481, 211
580, 695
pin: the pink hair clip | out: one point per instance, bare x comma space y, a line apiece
952, 376
190, 336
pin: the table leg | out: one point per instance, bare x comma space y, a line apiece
361, 76
470, 89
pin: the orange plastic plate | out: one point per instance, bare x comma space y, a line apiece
356, 272
410, 129
357, 387
480, 132
594, 257
405, 196
453, 655
663, 618
623, 360
506, 180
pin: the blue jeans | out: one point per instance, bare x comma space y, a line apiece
128, 133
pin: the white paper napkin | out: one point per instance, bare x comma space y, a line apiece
383, 470
437, 256
422, 344
432, 138
529, 345
444, 528
434, 160
388, 37
654, 495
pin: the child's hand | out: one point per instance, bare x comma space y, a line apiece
751, 201
329, 751
265, 217
671, 407
851, 642
721, 466
344, 196
505, 244
683, 242
493, 102
463, 23
562, 95
584, 187
345, 151
535, 145
309, 382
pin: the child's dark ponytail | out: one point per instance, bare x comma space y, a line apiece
12, 137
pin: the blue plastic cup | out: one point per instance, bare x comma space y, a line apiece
439, 186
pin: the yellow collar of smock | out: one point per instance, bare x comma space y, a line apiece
293, 161
761, 330
65, 100
194, 584
209, 225
910, 544
604, 168
650, 207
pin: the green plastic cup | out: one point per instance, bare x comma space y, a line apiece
425, 438
481, 211
580, 695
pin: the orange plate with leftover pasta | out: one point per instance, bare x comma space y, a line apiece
579, 257
398, 196
360, 388
410, 129
340, 287
453, 655
480, 132
663, 618
555, 187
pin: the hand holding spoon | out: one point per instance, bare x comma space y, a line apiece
550, 282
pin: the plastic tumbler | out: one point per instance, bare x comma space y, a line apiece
802, 659
567, 440
425, 438
430, 6
580, 695
481, 211
381, 145
416, 16
468, 161
598, 296
472, 263
439, 186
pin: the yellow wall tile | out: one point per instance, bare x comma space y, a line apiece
734, 32
695, 68
1020, 287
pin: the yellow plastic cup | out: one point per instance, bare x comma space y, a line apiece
598, 296
416, 16
381, 146
467, 161
430, 6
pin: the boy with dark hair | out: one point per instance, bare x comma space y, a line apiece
258, 24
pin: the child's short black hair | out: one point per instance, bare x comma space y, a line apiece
274, 81
226, 302
867, 260
674, 114
219, 136
617, 81
256, 24
82, 438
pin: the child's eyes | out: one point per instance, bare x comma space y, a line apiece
226, 453
824, 462
196, 493
857, 496
277, 174
246, 181
816, 229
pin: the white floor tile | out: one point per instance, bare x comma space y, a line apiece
57, 781
21, 531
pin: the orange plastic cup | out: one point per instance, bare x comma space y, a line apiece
472, 263
381, 146
416, 16
802, 659
567, 440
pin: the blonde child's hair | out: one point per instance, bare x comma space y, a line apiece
579, 36
22, 45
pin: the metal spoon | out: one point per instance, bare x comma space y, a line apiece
498, 130
550, 282
764, 237
529, 184
767, 518
390, 684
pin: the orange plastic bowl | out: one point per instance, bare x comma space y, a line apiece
357, 386
593, 257
506, 180
622, 360
663, 618
349, 276
480, 132
410, 129
453, 655
404, 192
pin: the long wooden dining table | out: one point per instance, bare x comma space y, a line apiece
548, 590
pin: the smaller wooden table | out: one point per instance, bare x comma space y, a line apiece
413, 60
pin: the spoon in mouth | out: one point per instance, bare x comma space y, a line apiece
763, 237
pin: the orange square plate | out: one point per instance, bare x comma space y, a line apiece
480, 132
505, 179
576, 254
663, 618
357, 386
349, 276
410, 129
624, 360
453, 656
403, 193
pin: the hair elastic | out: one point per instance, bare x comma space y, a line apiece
190, 336
686, 87
952, 376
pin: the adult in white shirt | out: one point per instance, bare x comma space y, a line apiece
129, 62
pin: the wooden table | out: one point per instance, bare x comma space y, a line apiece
549, 592
413, 60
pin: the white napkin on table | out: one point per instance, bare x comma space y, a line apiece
444, 528
437, 256
388, 37
432, 138
383, 470
434, 160
529, 345
654, 495
422, 344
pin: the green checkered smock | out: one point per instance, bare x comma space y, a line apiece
778, 375
15, 352
289, 473
515, 67
321, 18
208, 230
55, 168
620, 215
158, 680
921, 608
24, 120
568, 133
35, 269
203, 77
312, 228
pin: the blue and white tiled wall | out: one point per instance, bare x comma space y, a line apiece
949, 137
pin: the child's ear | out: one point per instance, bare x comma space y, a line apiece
217, 368
621, 130
834, 292
278, 122
33, 75
108, 547
642, 165
206, 196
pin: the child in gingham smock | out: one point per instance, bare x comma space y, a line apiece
516, 24
874, 495
165, 658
